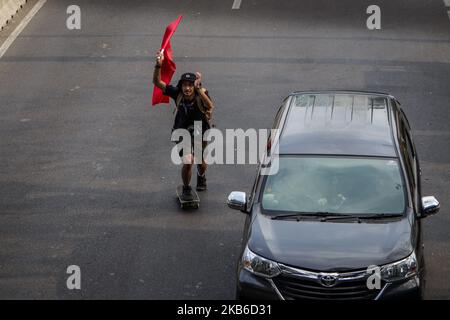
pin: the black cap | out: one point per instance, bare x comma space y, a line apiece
188, 76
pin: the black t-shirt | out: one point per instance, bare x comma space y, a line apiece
187, 111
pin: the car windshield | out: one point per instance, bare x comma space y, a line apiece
341, 185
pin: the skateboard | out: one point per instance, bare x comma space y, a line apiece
192, 204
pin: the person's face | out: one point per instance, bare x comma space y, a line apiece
187, 88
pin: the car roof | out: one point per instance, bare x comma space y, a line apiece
338, 123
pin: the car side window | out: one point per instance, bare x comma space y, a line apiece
255, 184
407, 133
274, 126
276, 123
410, 147
406, 122
410, 154
277, 120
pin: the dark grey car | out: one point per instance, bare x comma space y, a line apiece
341, 219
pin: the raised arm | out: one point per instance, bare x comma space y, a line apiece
202, 92
157, 72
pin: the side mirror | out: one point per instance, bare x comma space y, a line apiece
237, 200
430, 206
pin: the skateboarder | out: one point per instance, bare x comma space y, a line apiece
193, 104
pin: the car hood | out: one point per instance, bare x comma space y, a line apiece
331, 246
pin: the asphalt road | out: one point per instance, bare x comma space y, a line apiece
85, 171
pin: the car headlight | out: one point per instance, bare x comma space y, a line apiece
259, 265
400, 270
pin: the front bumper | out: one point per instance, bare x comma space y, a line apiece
252, 287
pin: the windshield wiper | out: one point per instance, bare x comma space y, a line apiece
327, 216
381, 215
310, 214
362, 217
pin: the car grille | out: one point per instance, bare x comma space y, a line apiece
293, 288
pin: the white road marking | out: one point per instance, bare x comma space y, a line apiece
8, 42
236, 4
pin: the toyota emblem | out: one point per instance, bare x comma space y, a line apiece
328, 280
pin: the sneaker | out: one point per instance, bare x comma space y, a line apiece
187, 193
201, 183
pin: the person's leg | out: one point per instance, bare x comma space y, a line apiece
186, 170
201, 168
201, 172
186, 173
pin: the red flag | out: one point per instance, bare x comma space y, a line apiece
168, 67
